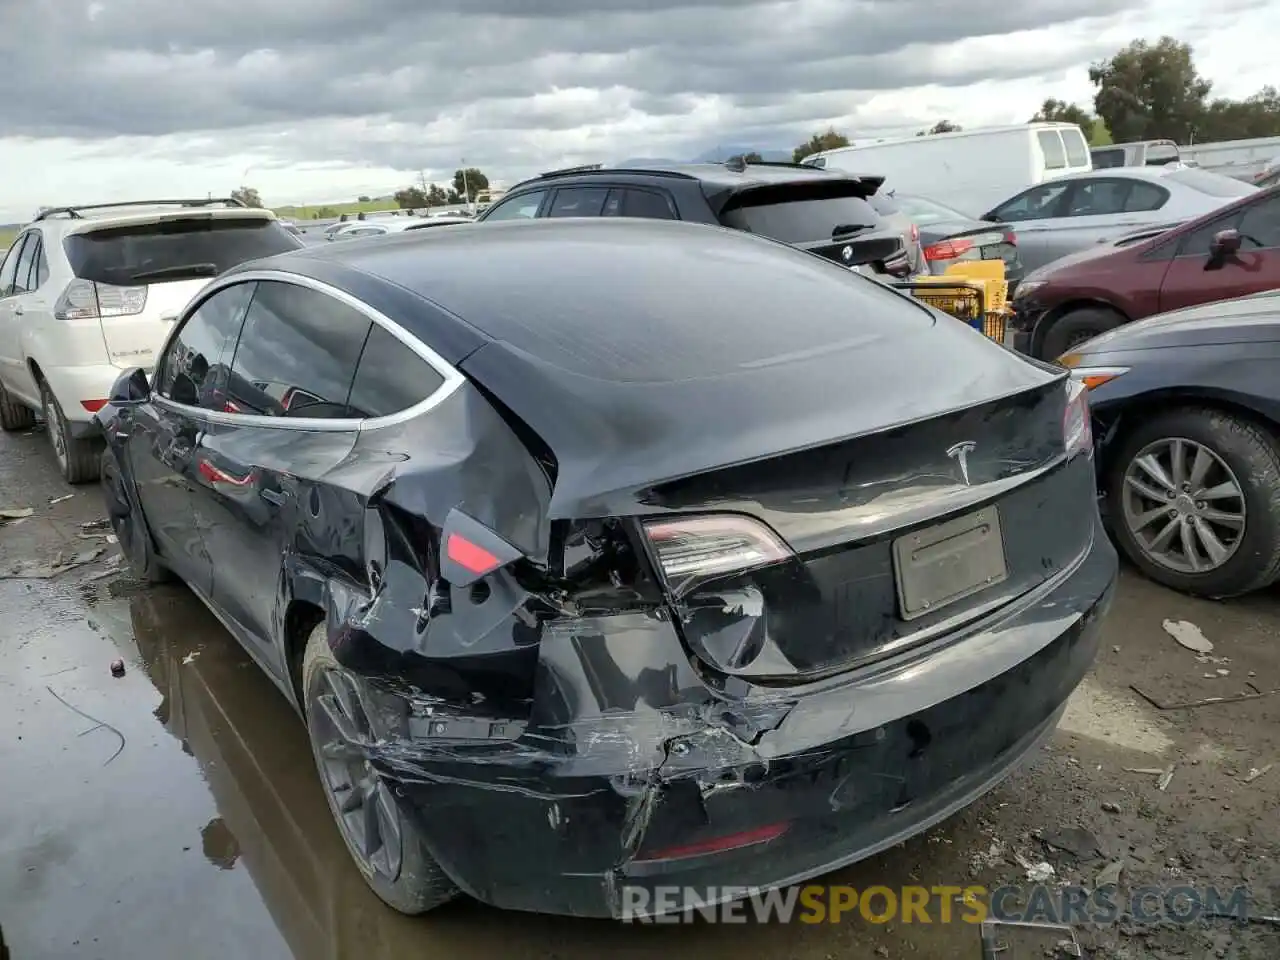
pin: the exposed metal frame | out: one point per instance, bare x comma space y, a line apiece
452, 378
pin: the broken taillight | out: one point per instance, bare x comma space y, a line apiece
692, 549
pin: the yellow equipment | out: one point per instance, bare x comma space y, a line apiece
974, 291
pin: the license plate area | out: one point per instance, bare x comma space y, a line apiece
947, 562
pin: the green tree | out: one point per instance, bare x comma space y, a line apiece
362, 199
830, 140
436, 197
1256, 116
247, 195
750, 157
469, 182
1149, 91
942, 126
410, 198
1059, 111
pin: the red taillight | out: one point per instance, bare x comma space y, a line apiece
733, 841
1011, 238
948, 249
690, 549
1077, 432
93, 406
470, 557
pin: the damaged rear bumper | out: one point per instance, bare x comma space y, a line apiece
625, 790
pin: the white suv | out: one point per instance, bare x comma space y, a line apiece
88, 292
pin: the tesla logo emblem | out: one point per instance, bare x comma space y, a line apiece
959, 452
847, 254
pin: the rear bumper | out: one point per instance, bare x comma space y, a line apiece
73, 386
836, 776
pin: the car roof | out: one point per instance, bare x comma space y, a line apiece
549, 268
728, 177
1125, 173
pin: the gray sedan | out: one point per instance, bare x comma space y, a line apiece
1071, 213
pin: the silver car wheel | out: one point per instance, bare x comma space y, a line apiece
1183, 505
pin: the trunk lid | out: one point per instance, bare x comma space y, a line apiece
137, 272
844, 422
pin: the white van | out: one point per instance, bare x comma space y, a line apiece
972, 170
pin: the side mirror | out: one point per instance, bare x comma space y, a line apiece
1225, 243
131, 388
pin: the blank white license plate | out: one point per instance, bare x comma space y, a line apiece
948, 562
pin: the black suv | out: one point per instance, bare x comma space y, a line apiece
822, 211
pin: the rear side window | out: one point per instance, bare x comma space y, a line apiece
193, 369
174, 249
1055, 157
1106, 159
391, 377
25, 262
639, 203
9, 269
579, 202
1213, 184
1038, 203
39, 269
1077, 149
1159, 154
803, 221
297, 354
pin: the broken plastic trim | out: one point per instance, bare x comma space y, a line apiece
472, 550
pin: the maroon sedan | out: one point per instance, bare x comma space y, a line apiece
1231, 252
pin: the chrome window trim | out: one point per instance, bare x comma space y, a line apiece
453, 379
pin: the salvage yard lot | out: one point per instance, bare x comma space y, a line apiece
176, 810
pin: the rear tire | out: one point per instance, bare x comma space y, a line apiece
1238, 453
13, 414
1074, 328
401, 871
79, 459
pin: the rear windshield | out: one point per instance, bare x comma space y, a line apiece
1213, 184
924, 211
165, 248
1105, 159
884, 204
803, 221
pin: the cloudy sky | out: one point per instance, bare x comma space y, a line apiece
318, 100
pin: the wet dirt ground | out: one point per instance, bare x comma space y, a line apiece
175, 811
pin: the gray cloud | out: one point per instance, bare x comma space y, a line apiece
245, 70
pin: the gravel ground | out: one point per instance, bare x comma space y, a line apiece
175, 812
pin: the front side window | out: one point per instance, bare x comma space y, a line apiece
522, 207
1107, 159
391, 377
297, 354
193, 370
1260, 226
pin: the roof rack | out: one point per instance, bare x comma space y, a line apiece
74, 213
585, 168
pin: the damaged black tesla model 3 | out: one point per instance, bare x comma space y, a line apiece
609, 556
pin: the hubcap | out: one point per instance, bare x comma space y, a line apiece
53, 424
361, 801
1183, 505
